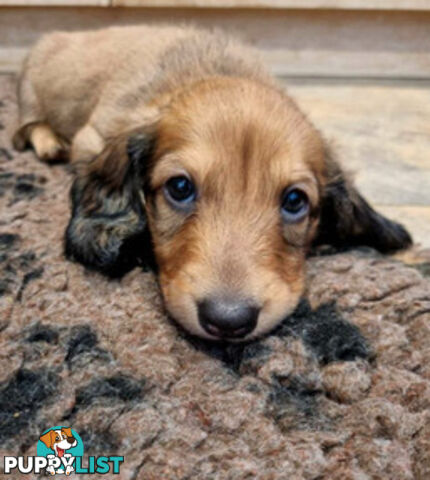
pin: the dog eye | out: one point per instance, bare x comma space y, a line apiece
180, 190
295, 205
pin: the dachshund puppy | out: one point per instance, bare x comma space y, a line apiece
183, 145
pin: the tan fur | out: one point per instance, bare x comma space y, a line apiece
91, 86
45, 142
236, 243
212, 113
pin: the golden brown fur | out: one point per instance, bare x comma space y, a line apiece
236, 243
141, 105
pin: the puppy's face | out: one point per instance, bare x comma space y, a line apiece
232, 202
234, 185
59, 440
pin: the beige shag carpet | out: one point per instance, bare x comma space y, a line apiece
340, 391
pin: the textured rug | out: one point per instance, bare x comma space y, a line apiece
341, 390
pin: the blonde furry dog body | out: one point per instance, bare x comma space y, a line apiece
185, 146
84, 88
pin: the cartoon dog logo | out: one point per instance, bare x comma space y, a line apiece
59, 440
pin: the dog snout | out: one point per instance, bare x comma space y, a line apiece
224, 318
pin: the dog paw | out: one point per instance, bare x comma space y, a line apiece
52, 150
47, 145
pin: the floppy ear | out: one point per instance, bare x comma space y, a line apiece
108, 229
347, 219
48, 438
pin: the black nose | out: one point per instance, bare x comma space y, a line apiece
227, 318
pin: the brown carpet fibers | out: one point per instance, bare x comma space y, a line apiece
317, 399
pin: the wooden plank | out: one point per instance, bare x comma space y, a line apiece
55, 3
11, 59
306, 64
348, 63
419, 5
415, 5
294, 43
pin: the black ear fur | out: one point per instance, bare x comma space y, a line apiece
347, 219
108, 229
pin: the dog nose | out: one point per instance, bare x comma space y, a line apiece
227, 318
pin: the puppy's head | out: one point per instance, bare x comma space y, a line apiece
59, 440
234, 186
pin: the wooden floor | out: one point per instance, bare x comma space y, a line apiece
380, 130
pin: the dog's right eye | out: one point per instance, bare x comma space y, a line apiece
180, 190
295, 205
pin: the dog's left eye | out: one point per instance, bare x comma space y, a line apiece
180, 190
295, 205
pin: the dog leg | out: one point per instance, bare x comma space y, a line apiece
86, 144
47, 145
30, 112
33, 129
